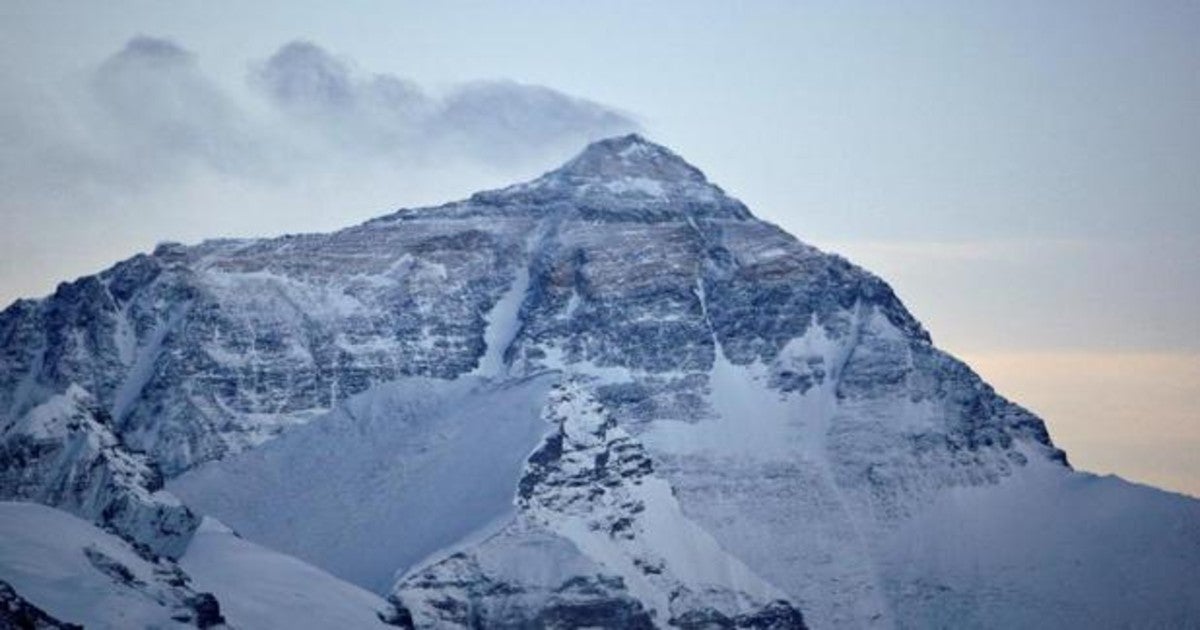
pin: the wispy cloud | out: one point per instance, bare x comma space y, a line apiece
147, 146
383, 114
149, 113
155, 112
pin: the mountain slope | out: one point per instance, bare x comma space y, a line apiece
76, 573
260, 588
393, 392
433, 460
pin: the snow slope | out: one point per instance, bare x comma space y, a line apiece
79, 574
260, 588
1047, 549
390, 477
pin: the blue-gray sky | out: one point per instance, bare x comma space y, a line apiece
1024, 173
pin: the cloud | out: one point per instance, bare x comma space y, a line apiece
157, 113
147, 146
374, 116
149, 115
302, 76
146, 116
491, 121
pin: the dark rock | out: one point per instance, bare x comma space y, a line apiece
207, 610
18, 614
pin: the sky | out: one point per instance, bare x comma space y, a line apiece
1024, 174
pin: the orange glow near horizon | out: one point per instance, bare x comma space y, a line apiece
1132, 414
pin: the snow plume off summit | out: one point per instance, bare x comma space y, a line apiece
608, 397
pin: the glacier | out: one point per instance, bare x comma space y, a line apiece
607, 397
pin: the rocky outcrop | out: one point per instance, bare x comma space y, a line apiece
18, 614
64, 453
623, 554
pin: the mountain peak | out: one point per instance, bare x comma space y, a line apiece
629, 156
623, 178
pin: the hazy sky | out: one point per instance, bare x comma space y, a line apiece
1025, 174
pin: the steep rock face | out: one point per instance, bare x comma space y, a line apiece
633, 261
774, 403
599, 537
64, 453
524, 577
201, 352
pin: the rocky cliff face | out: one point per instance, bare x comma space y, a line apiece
64, 453
721, 383
612, 547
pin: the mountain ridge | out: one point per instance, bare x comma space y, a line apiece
777, 402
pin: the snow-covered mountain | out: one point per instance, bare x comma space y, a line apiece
608, 397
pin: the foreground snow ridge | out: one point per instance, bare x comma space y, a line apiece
609, 397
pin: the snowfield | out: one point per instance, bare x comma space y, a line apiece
1048, 549
392, 476
260, 588
80, 574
